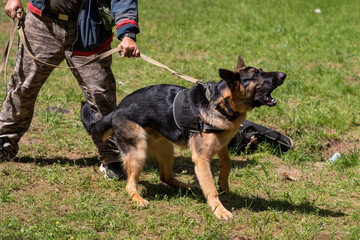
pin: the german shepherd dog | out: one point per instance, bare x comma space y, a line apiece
143, 124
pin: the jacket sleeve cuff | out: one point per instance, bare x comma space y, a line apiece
127, 26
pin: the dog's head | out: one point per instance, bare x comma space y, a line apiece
250, 86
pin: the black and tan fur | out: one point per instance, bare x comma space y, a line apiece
143, 125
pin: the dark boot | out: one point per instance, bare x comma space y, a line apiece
4, 155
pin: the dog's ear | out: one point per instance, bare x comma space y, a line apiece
240, 64
231, 78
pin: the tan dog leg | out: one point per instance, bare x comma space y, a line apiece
203, 173
225, 166
134, 163
133, 154
163, 152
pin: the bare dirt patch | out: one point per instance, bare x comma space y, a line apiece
334, 65
288, 173
343, 146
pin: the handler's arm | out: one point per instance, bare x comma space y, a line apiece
126, 19
12, 7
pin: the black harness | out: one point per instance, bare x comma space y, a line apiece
186, 119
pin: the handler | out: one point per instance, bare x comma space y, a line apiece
76, 31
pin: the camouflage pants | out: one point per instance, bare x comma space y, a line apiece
51, 41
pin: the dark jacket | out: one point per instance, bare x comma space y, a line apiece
92, 35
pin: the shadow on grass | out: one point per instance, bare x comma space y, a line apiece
184, 165
161, 190
235, 202
257, 204
181, 164
82, 162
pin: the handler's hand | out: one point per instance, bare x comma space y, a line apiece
13, 8
129, 48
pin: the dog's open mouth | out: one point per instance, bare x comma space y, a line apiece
266, 87
268, 100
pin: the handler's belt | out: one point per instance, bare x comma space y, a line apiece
186, 119
61, 16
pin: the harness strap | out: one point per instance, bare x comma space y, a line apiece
186, 120
183, 116
229, 113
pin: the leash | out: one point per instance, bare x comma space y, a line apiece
6, 54
18, 25
156, 63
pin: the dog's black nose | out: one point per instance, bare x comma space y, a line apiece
281, 77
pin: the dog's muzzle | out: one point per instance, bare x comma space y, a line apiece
263, 92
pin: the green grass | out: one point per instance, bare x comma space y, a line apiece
53, 190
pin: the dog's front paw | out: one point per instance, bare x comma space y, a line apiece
140, 202
143, 203
223, 214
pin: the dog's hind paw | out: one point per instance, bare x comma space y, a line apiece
224, 187
223, 214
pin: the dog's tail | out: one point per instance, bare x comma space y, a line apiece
99, 130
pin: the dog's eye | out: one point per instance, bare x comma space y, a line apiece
256, 72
